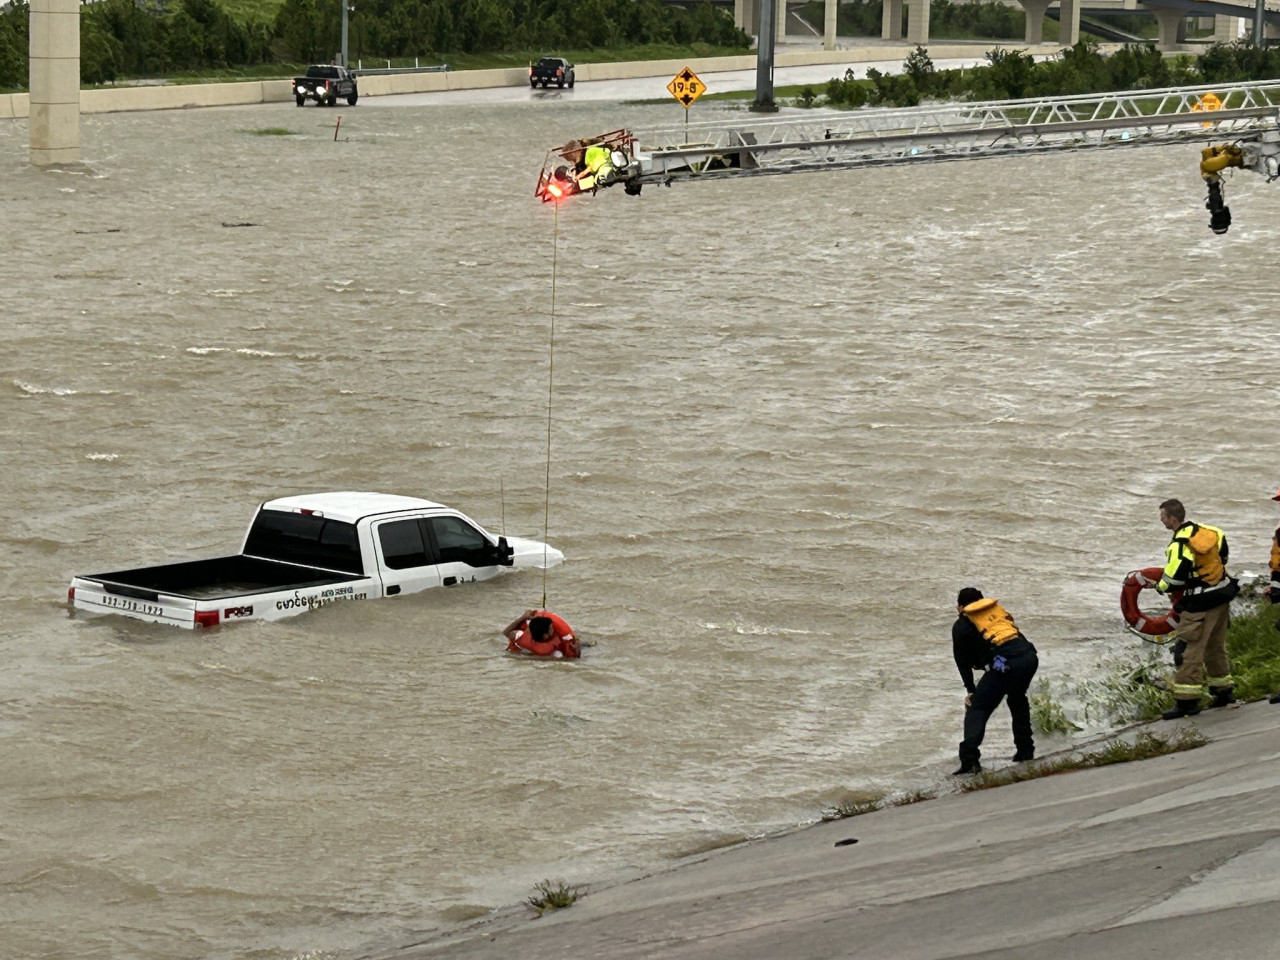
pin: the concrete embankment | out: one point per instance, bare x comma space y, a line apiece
181, 96
1177, 856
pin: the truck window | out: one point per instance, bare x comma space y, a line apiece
402, 544
323, 72
305, 539
459, 542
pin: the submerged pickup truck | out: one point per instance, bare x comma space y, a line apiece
309, 551
326, 84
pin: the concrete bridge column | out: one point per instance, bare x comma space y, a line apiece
1226, 29
1068, 23
54, 75
829, 25
1034, 9
1172, 26
891, 20
780, 18
918, 22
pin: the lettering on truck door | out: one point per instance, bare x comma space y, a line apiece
405, 559
463, 552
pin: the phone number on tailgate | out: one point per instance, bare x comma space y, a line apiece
133, 606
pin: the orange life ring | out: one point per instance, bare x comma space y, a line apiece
1139, 622
563, 643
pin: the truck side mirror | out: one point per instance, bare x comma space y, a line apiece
503, 553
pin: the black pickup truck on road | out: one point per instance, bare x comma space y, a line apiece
325, 84
549, 70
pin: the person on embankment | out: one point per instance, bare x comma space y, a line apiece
984, 637
1195, 563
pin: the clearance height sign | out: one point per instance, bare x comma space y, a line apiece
686, 87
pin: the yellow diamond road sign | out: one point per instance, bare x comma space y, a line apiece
686, 87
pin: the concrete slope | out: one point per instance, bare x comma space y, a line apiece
1167, 858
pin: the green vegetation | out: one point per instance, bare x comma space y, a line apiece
1013, 74
1253, 644
270, 132
122, 39
1146, 745
547, 897
856, 808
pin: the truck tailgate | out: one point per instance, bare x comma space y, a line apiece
94, 596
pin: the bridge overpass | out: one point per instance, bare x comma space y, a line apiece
1171, 16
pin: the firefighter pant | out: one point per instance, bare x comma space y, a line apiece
996, 685
1204, 662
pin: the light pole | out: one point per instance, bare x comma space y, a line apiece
764, 59
345, 61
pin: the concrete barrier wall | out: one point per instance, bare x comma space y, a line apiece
175, 97
15, 106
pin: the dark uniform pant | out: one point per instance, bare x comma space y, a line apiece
996, 684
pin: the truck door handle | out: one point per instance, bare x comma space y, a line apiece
450, 581
393, 590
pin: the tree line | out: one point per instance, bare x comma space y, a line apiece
1080, 69
129, 38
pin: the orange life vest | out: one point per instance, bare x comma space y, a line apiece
562, 641
992, 620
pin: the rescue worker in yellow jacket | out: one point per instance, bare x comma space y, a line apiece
1195, 563
984, 637
595, 168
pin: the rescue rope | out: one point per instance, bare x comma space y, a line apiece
551, 368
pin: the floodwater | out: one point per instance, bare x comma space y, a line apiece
790, 416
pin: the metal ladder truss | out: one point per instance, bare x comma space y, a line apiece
1247, 114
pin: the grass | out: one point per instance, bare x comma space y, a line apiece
856, 808
270, 132
1146, 746
1253, 644
547, 896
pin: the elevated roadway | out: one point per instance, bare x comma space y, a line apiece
1169, 14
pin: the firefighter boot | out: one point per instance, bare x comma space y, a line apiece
1182, 708
1222, 697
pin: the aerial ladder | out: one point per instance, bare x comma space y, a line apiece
1240, 123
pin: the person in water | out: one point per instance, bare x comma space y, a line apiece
541, 633
984, 637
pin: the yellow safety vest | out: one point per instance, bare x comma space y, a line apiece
992, 620
1275, 554
596, 157
1193, 559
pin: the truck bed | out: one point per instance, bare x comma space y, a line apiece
216, 579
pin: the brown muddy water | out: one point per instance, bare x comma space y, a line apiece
790, 417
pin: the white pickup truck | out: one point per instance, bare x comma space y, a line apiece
309, 551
